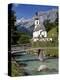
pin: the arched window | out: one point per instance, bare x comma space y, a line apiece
43, 34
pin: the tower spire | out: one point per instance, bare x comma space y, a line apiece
36, 13
36, 20
36, 16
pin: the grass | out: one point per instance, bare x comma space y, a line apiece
48, 52
51, 34
16, 69
54, 43
51, 52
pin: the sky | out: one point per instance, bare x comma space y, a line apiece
27, 11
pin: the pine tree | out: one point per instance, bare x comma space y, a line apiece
12, 30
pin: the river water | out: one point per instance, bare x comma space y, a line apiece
31, 63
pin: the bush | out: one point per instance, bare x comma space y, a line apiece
42, 44
51, 52
16, 70
24, 38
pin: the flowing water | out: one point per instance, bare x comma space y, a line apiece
31, 63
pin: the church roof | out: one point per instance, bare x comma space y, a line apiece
39, 27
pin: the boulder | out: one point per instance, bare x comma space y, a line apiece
43, 68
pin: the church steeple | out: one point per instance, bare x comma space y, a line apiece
36, 19
36, 16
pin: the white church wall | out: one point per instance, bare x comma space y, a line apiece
40, 33
36, 33
35, 26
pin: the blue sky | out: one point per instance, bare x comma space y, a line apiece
27, 11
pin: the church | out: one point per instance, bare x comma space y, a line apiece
39, 31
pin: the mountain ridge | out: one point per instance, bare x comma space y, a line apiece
28, 24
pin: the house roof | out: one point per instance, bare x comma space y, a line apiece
39, 27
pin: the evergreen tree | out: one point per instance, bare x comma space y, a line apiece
11, 25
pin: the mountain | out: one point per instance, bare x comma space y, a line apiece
27, 25
23, 29
47, 15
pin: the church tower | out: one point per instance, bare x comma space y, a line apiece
39, 29
36, 20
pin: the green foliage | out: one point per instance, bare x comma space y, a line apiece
52, 33
16, 70
11, 25
45, 44
23, 38
51, 52
48, 52
14, 37
48, 25
56, 21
